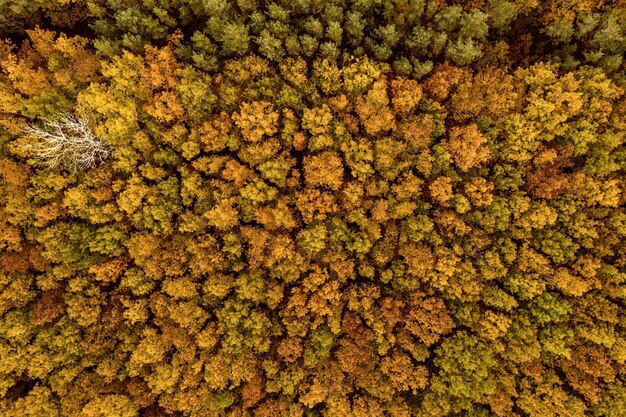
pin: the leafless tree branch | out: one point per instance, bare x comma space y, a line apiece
67, 140
8, 25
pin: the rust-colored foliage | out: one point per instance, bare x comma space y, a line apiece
314, 209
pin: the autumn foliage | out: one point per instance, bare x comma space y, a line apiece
362, 208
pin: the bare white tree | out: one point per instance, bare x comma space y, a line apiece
67, 140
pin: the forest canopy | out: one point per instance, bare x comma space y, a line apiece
312, 208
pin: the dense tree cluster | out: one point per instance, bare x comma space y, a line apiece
315, 208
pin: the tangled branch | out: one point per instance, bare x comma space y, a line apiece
8, 25
67, 140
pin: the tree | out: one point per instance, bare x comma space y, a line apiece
467, 146
313, 209
67, 140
